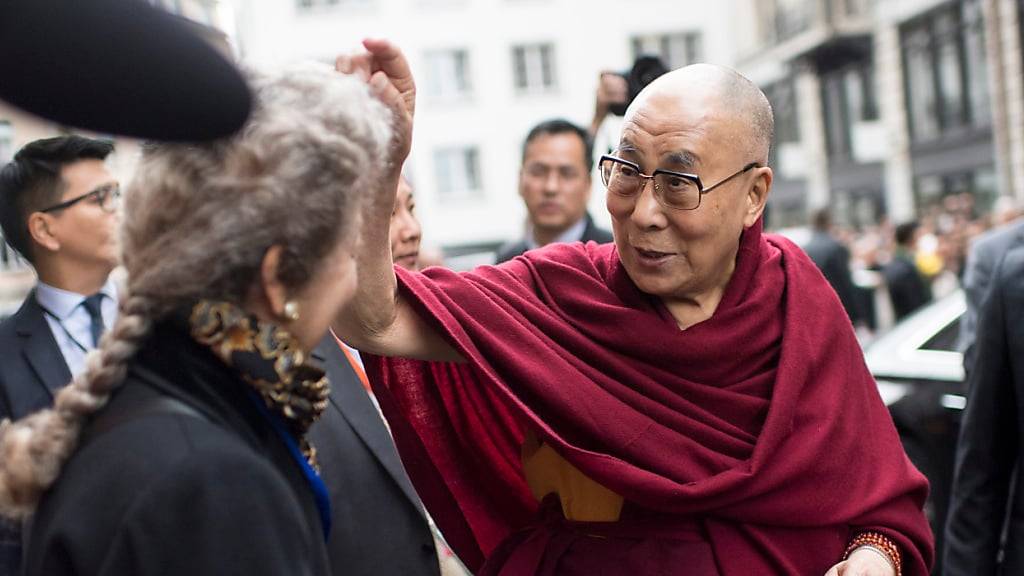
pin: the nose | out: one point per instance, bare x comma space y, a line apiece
551, 183
647, 211
409, 228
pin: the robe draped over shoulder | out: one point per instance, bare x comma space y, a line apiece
761, 424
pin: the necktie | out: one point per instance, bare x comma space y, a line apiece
92, 306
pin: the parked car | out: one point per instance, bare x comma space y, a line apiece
920, 377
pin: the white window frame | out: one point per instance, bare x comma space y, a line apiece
534, 68
449, 74
457, 173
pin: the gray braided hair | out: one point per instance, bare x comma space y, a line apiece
198, 219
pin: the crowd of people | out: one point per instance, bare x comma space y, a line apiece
886, 271
246, 368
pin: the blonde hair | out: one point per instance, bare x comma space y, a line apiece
198, 220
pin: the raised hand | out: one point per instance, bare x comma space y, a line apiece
384, 68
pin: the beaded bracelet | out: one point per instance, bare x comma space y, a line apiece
879, 543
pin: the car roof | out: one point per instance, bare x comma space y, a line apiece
898, 352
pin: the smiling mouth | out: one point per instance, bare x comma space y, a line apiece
652, 254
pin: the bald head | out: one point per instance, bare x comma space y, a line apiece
724, 94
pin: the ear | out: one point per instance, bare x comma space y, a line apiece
274, 292
757, 196
43, 227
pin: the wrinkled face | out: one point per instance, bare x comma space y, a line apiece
86, 233
405, 229
554, 181
323, 297
680, 255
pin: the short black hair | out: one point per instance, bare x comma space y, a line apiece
562, 126
905, 233
32, 181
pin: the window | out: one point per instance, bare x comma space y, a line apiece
458, 172
675, 50
946, 71
534, 67
9, 259
977, 70
848, 98
782, 96
448, 74
793, 17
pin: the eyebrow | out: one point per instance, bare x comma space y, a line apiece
683, 158
106, 186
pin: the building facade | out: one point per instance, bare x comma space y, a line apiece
487, 71
885, 107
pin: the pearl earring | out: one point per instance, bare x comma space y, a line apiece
291, 310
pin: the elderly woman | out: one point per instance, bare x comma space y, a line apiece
690, 399
182, 449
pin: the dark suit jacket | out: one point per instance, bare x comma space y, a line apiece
833, 259
986, 493
211, 493
379, 526
590, 233
33, 368
986, 252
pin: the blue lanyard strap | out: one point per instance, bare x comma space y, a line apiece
323, 501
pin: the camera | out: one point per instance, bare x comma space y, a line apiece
645, 69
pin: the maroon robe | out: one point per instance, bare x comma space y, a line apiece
757, 435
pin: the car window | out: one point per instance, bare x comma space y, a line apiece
946, 339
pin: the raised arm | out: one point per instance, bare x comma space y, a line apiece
378, 320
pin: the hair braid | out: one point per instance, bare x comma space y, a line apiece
33, 449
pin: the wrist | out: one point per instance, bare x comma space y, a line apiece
880, 544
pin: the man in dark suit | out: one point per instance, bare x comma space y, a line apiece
57, 209
986, 252
379, 524
555, 183
988, 496
907, 288
833, 259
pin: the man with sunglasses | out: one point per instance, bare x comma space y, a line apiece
690, 399
58, 209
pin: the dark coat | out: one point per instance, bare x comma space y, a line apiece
33, 368
986, 493
163, 492
378, 521
986, 252
833, 259
907, 288
590, 233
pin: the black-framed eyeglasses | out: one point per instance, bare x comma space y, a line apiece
674, 190
105, 196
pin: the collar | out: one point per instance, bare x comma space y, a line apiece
573, 234
61, 303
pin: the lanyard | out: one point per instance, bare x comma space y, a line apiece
67, 333
323, 500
